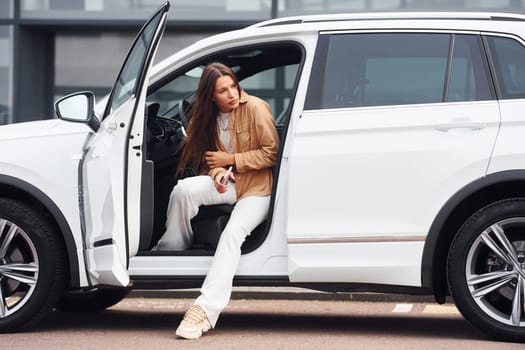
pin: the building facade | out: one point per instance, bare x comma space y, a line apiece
49, 48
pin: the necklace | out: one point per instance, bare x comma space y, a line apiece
224, 121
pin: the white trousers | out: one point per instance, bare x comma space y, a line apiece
248, 213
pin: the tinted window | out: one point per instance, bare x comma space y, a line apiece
469, 76
275, 86
509, 63
170, 94
396, 69
134, 65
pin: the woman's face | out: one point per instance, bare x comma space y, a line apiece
226, 94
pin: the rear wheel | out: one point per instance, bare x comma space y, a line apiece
31, 266
486, 270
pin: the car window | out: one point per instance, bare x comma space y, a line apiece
133, 68
171, 93
469, 76
273, 85
509, 63
378, 69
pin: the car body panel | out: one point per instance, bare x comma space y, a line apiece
508, 153
390, 160
49, 167
104, 200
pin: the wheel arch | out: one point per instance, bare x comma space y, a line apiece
15, 188
452, 216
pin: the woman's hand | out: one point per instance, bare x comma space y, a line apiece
220, 185
218, 159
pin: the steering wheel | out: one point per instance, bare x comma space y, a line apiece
183, 106
154, 129
183, 116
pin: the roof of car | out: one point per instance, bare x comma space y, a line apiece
392, 16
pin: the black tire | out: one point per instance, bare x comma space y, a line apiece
32, 266
488, 286
94, 300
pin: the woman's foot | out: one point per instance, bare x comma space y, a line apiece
194, 323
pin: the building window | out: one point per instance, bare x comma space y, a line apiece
298, 7
6, 81
91, 61
211, 10
6, 9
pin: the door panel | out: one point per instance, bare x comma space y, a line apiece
508, 55
103, 175
364, 177
113, 162
381, 150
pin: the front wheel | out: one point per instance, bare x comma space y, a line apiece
486, 270
31, 266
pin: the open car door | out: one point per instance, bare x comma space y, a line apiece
112, 165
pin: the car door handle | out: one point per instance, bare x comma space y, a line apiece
460, 123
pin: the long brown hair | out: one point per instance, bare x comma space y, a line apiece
202, 127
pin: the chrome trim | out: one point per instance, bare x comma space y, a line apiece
367, 239
400, 30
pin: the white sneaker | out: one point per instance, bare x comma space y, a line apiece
194, 323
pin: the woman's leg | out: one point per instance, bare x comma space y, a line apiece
185, 199
248, 213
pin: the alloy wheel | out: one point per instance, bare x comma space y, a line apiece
495, 271
19, 268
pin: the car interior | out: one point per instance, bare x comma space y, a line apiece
268, 71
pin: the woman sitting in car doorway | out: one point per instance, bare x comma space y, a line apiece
234, 133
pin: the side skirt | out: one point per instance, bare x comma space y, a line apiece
186, 282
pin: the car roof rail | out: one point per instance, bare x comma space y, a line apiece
499, 16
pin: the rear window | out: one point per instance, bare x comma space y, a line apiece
380, 69
509, 64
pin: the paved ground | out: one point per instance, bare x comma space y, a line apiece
149, 323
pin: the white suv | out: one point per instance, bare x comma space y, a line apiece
401, 169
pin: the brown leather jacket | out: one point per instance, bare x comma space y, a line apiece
255, 143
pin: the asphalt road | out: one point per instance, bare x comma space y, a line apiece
149, 323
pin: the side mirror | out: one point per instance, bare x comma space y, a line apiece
78, 107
